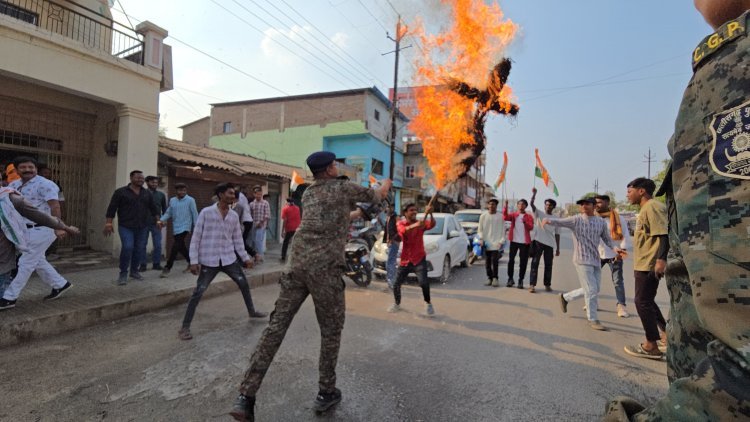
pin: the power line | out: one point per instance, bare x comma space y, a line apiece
187, 103
367, 9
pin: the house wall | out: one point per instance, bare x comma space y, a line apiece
197, 133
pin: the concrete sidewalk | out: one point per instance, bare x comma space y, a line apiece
96, 298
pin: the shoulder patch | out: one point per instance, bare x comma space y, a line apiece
712, 43
730, 142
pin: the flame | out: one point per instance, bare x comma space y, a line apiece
468, 51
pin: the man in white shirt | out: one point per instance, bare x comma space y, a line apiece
215, 245
43, 194
545, 238
491, 232
618, 231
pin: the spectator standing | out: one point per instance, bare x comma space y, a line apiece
521, 225
260, 210
545, 239
215, 247
135, 208
152, 182
247, 222
649, 263
588, 229
618, 231
413, 256
290, 220
15, 212
393, 240
184, 214
42, 194
491, 232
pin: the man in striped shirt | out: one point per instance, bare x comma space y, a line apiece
588, 229
215, 246
184, 214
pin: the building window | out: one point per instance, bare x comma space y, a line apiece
16, 12
410, 171
377, 115
377, 167
227, 127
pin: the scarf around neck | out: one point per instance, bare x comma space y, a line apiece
615, 228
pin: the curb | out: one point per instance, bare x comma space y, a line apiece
33, 329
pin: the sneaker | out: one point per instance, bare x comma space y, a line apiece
596, 325
563, 304
164, 273
394, 308
510, 283
639, 351
142, 268
532, 289
136, 276
325, 401
157, 267
57, 292
495, 283
123, 279
429, 310
258, 314
243, 409
621, 311
7, 304
547, 288
520, 285
184, 334
489, 282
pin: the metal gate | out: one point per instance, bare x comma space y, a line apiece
62, 140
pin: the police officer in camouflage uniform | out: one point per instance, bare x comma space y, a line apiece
315, 266
708, 196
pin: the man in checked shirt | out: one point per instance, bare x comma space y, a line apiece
215, 246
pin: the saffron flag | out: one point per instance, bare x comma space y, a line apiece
296, 180
373, 181
542, 173
501, 176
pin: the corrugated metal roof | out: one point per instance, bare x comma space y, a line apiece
223, 160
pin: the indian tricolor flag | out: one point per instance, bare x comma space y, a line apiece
501, 176
296, 180
542, 173
373, 181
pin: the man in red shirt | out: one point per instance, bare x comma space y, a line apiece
521, 225
413, 256
290, 219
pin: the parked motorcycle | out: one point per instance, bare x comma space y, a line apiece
357, 256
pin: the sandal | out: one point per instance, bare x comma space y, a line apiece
662, 345
640, 352
184, 334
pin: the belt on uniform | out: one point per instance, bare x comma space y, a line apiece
31, 226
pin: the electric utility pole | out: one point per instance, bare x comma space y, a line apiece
596, 186
649, 160
394, 100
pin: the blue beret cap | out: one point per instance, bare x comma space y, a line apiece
318, 161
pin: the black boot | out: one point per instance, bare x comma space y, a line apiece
325, 401
243, 409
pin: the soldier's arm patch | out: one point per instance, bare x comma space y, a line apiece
730, 142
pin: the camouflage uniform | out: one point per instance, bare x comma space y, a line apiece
708, 273
315, 266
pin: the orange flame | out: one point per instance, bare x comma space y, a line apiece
467, 51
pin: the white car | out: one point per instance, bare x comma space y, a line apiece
445, 245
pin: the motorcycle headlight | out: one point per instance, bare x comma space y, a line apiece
431, 247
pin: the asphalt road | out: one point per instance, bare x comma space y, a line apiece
490, 354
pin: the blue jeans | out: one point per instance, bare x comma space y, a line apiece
590, 278
155, 232
133, 250
617, 279
391, 264
5, 280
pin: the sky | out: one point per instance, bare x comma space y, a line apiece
598, 82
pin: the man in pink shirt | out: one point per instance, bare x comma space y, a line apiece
521, 225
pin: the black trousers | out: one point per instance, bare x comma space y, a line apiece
523, 250
178, 246
491, 259
420, 270
646, 285
206, 276
541, 250
246, 231
287, 240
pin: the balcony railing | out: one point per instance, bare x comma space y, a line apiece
79, 23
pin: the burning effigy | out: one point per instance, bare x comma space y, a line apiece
456, 94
